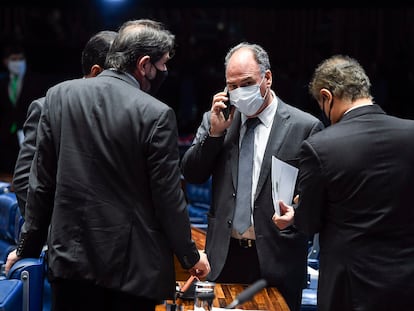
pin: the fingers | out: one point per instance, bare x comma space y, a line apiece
11, 259
296, 199
219, 102
202, 268
286, 218
280, 222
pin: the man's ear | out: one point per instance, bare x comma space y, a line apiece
325, 94
141, 64
268, 75
95, 70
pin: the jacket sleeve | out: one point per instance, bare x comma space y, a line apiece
308, 214
198, 161
167, 194
42, 184
26, 153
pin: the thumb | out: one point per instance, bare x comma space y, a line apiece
283, 207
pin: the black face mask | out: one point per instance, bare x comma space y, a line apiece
156, 82
326, 120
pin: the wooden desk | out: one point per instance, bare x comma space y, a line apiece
267, 299
6, 177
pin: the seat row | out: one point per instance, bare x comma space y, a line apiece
22, 288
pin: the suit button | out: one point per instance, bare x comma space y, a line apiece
234, 194
229, 223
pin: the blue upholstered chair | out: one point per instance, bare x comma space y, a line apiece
198, 203
22, 288
10, 224
309, 294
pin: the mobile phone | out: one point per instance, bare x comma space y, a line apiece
226, 111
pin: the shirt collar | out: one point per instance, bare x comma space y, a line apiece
355, 107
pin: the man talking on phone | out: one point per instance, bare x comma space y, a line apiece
243, 243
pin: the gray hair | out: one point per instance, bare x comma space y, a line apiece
343, 76
259, 53
138, 38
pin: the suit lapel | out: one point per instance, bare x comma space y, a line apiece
277, 135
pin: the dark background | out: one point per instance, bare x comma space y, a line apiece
297, 38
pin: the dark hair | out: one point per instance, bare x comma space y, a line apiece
261, 56
13, 48
138, 38
343, 76
96, 49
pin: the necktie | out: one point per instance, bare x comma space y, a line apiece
13, 89
242, 215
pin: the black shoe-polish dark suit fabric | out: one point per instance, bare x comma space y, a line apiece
356, 187
106, 172
282, 253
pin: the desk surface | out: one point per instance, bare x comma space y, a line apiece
267, 299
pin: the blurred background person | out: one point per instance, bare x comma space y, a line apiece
18, 88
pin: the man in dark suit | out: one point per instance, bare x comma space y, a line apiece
93, 62
262, 251
17, 90
106, 178
354, 181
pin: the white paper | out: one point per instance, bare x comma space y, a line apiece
283, 182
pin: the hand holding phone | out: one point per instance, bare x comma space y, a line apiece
227, 110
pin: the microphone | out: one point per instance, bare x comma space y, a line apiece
248, 293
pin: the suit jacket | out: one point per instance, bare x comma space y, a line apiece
355, 182
282, 253
26, 153
33, 86
106, 177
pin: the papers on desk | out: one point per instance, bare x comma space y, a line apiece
283, 182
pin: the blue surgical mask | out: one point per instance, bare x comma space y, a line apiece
247, 99
17, 67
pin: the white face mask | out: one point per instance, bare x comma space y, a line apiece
17, 67
247, 99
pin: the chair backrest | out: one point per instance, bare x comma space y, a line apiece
9, 211
198, 202
11, 295
309, 294
31, 271
199, 193
313, 253
4, 187
10, 223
